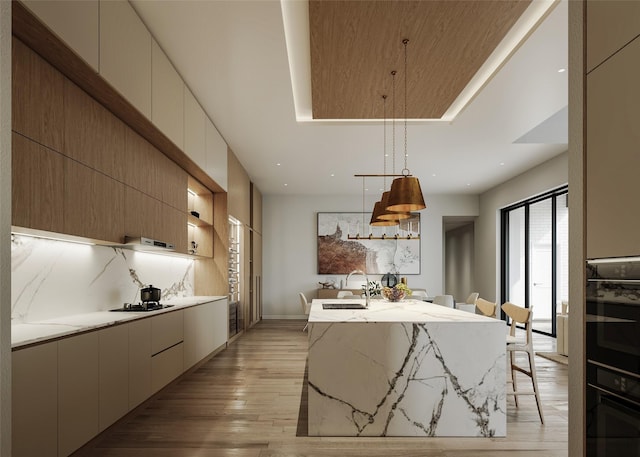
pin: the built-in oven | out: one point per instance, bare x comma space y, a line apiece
613, 357
613, 413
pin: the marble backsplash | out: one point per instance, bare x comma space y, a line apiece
53, 278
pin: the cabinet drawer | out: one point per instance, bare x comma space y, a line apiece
166, 331
166, 366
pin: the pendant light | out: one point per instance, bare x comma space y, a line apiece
406, 194
378, 208
384, 213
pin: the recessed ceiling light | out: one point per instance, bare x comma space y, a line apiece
433, 174
332, 175
468, 184
562, 70
501, 163
366, 190
285, 184
278, 164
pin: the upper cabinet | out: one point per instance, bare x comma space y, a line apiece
610, 25
216, 155
76, 23
125, 53
612, 159
167, 96
37, 94
194, 129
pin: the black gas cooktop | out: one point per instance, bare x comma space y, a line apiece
141, 307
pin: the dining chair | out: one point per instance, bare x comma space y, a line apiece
419, 294
345, 294
471, 299
306, 308
520, 315
444, 300
485, 307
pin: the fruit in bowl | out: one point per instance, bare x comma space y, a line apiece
396, 293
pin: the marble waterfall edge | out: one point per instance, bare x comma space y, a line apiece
53, 278
407, 379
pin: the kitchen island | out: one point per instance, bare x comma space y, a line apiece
405, 369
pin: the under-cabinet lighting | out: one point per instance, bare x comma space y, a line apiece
191, 224
53, 238
190, 192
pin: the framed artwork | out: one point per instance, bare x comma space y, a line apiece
344, 245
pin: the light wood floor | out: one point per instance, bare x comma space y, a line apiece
250, 401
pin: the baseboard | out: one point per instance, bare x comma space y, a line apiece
300, 317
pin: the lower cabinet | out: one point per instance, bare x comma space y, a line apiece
114, 374
67, 391
78, 391
34, 409
166, 366
205, 330
139, 361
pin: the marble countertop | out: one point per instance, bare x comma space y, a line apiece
23, 334
384, 311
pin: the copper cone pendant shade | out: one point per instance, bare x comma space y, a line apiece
405, 195
388, 215
378, 210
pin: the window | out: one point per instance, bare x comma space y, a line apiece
534, 259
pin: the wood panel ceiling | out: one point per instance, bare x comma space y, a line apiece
356, 44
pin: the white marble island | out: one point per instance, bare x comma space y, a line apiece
405, 369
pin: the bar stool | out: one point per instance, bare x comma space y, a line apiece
520, 315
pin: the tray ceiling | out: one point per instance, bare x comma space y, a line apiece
355, 45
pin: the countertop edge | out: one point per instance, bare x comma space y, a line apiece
67, 326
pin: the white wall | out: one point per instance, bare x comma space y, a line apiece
290, 245
546, 176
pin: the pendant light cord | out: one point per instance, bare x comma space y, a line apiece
393, 120
405, 170
384, 140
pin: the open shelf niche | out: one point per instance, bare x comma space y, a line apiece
199, 219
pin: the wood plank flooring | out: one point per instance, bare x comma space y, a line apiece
250, 401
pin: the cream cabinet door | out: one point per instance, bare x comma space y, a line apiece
139, 361
125, 53
34, 411
611, 24
166, 330
613, 156
216, 155
76, 23
167, 96
78, 391
114, 374
194, 129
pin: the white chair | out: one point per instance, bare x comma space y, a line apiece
306, 308
471, 299
444, 300
485, 307
345, 294
419, 294
520, 315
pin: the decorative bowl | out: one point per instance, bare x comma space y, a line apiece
393, 294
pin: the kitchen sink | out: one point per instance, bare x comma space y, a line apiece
343, 306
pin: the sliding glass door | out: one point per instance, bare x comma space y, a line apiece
534, 256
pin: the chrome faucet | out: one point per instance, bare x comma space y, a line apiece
366, 287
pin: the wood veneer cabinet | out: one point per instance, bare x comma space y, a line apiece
93, 203
37, 98
38, 186
612, 159
141, 171
93, 136
34, 411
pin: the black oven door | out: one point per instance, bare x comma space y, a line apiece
613, 425
613, 315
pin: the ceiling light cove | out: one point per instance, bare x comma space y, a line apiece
341, 52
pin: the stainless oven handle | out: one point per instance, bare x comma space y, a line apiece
613, 394
614, 369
